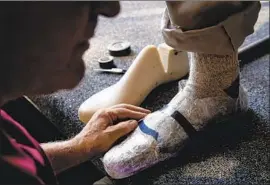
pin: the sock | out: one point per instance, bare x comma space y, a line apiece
211, 90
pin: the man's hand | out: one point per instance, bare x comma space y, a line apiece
107, 126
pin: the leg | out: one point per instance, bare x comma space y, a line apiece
162, 62
211, 91
182, 25
191, 15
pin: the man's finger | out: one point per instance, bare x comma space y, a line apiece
121, 129
132, 107
124, 113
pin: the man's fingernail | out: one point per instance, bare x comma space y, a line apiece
133, 122
147, 110
145, 114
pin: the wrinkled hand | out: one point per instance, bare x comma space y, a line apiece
107, 126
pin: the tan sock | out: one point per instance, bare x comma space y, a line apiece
212, 73
211, 90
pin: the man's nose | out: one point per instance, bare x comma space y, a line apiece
108, 8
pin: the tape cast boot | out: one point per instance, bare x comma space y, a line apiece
211, 91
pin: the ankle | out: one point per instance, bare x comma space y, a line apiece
213, 71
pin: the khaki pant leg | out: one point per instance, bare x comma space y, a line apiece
224, 38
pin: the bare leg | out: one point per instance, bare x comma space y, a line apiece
162, 62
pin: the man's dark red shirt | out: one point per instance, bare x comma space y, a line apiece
22, 160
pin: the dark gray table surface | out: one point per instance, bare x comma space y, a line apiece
234, 152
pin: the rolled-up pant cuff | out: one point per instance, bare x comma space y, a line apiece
223, 38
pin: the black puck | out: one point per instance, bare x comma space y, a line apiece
106, 62
119, 48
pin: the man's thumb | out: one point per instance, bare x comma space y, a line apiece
123, 128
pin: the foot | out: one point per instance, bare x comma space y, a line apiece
163, 133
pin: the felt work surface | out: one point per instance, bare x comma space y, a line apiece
235, 151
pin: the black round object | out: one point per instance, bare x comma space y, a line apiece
106, 62
119, 48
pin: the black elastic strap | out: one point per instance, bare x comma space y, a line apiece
189, 129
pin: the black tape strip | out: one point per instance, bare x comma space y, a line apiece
189, 129
106, 62
119, 48
107, 65
124, 52
233, 89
